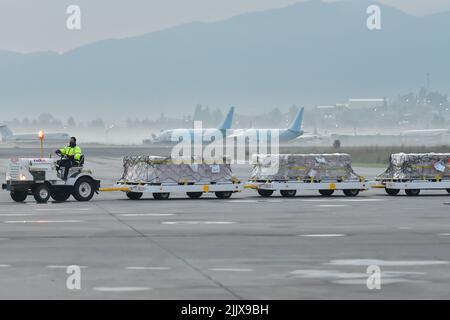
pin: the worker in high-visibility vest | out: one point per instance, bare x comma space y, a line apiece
72, 156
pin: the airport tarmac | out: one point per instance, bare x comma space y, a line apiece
247, 247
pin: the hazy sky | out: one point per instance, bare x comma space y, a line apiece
40, 25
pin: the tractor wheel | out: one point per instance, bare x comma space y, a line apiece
288, 193
19, 196
41, 193
392, 192
265, 193
224, 194
60, 195
194, 195
326, 193
134, 195
351, 192
84, 189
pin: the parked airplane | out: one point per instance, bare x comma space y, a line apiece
285, 135
32, 138
314, 139
168, 136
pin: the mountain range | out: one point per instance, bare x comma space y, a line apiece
305, 54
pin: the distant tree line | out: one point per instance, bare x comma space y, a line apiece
421, 110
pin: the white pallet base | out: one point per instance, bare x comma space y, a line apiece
418, 184
176, 188
299, 186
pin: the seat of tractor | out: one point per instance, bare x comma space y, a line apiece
74, 170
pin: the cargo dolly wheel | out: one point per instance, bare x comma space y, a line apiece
412, 192
265, 193
288, 193
448, 190
134, 195
351, 192
224, 194
392, 192
326, 193
161, 196
19, 196
41, 193
194, 195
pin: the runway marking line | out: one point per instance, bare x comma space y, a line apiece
63, 267
324, 235
197, 222
343, 200
399, 263
121, 289
231, 269
149, 268
341, 277
313, 273
332, 205
362, 282
244, 201
147, 214
41, 221
361, 200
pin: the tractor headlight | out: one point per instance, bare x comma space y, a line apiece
23, 178
8, 178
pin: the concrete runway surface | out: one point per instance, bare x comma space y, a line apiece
248, 247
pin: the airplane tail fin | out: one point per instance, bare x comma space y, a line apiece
5, 132
228, 120
296, 126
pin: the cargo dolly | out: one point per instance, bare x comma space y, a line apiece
135, 191
414, 172
350, 188
412, 187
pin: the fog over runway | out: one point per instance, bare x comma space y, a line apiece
246, 247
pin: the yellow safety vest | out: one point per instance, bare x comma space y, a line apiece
75, 152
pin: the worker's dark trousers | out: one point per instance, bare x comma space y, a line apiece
66, 164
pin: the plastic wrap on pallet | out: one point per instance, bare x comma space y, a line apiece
156, 170
404, 166
283, 167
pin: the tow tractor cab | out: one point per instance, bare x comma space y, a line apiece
42, 178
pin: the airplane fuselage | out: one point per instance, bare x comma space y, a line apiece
284, 135
174, 136
34, 138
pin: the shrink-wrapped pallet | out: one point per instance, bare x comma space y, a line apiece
317, 167
157, 170
405, 166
